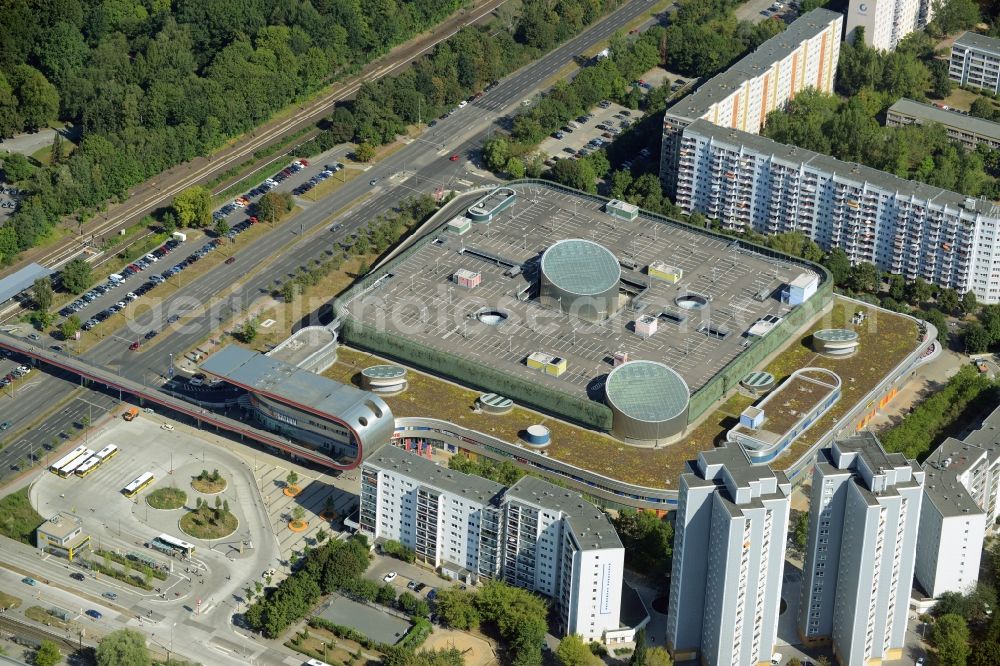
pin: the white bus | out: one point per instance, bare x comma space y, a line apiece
88, 466
73, 466
138, 483
109, 451
67, 459
182, 547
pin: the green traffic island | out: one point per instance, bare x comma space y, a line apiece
208, 523
46, 617
142, 581
8, 601
166, 499
136, 564
18, 519
209, 483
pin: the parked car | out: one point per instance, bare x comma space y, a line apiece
389, 577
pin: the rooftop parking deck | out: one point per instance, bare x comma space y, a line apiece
701, 319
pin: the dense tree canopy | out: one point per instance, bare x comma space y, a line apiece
648, 541
915, 435
334, 565
125, 646
849, 131
704, 37
518, 616
155, 84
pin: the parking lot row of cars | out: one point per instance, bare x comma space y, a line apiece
12, 376
117, 280
151, 283
609, 129
328, 170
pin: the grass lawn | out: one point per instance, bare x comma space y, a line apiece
9, 600
166, 498
885, 340
311, 298
39, 614
18, 520
337, 650
960, 99
202, 523
208, 485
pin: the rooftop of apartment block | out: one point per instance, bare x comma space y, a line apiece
777, 48
974, 40
953, 459
428, 473
591, 526
948, 118
858, 175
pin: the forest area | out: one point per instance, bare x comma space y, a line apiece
850, 125
152, 84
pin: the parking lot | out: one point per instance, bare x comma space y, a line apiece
422, 303
579, 137
11, 372
143, 275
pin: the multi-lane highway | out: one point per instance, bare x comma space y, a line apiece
423, 166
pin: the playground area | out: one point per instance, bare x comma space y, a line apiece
475, 650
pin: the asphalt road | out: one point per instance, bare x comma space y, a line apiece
423, 166
154, 193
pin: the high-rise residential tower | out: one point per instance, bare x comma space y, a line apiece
729, 552
863, 523
887, 22
805, 55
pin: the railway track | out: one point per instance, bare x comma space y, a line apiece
15, 629
308, 113
137, 206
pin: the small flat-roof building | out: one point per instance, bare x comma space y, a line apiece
622, 209
967, 130
975, 61
469, 279
62, 535
313, 410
